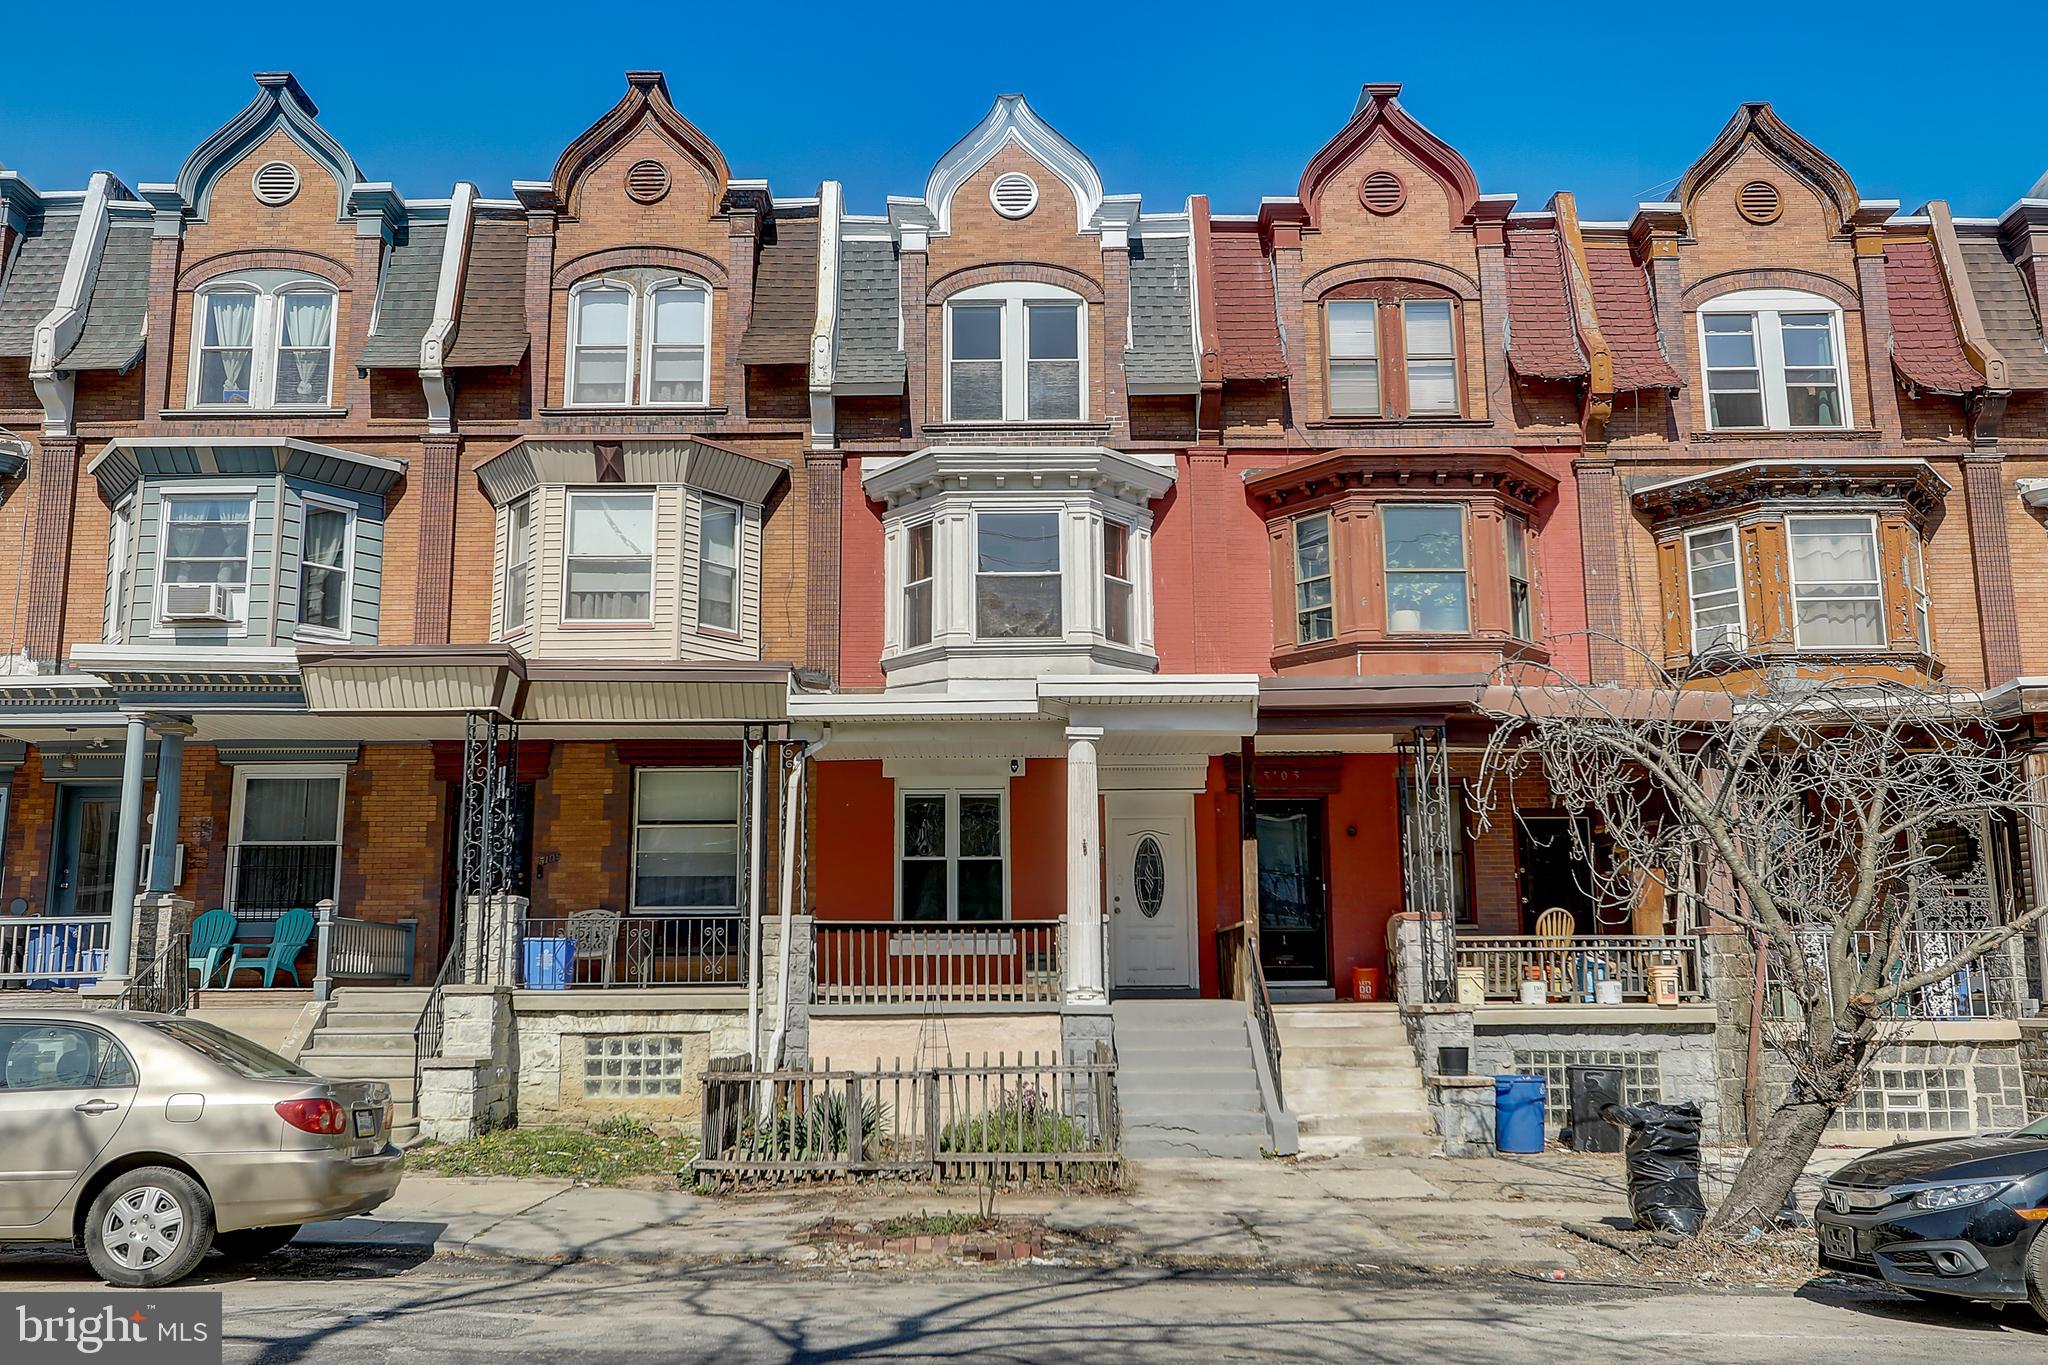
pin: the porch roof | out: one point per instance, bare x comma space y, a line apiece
1327, 704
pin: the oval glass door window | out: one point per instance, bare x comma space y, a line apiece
1148, 876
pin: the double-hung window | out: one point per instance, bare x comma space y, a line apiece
609, 570
285, 844
1430, 356
1714, 585
951, 867
1017, 576
1521, 598
205, 559
1424, 558
263, 347
1773, 362
1837, 597
1014, 354
718, 566
1314, 613
1353, 326
917, 585
686, 839
638, 342
1118, 588
518, 563
325, 544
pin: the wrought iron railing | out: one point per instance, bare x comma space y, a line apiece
53, 951
1988, 988
1572, 969
632, 951
956, 1118
1244, 976
892, 962
164, 984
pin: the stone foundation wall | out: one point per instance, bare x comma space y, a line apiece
1907, 1094
1669, 1062
2034, 1065
585, 1057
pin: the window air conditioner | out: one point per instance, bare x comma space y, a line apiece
199, 602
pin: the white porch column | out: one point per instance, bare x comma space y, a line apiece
1085, 973
127, 855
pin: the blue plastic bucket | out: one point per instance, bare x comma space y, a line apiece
546, 964
1518, 1113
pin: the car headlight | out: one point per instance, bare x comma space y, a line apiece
1955, 1196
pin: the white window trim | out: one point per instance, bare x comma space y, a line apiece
1883, 641
121, 573
1388, 572
639, 344
1692, 625
904, 583
974, 574
569, 496
243, 774
905, 789
525, 502
739, 860
163, 522
266, 341
315, 502
1767, 307
1015, 298
706, 502
1130, 580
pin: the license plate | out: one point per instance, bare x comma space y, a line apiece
366, 1123
1840, 1243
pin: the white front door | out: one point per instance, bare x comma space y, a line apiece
1151, 892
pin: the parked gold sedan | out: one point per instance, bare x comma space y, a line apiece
152, 1138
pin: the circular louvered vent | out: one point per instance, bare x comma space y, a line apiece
1759, 202
1383, 192
1014, 194
276, 182
647, 181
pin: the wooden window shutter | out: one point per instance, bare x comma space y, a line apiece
1677, 601
1766, 585
1898, 549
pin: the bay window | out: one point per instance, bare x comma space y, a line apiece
205, 559
639, 340
285, 837
263, 347
718, 566
1772, 360
1424, 558
1714, 579
1313, 612
1837, 595
1118, 587
1521, 595
917, 586
608, 572
1017, 576
1014, 353
518, 563
686, 839
950, 866
325, 544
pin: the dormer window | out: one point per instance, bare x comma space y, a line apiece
1772, 362
1014, 354
263, 345
639, 342
1391, 350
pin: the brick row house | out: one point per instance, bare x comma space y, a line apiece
826, 634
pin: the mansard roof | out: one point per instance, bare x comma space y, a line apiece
1379, 115
2010, 322
29, 288
1543, 339
491, 315
1247, 325
280, 103
118, 308
1927, 350
785, 290
1161, 356
1628, 320
870, 332
405, 300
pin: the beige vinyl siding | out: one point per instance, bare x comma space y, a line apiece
693, 643
555, 640
500, 558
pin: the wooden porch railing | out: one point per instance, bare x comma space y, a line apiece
52, 951
1571, 969
897, 963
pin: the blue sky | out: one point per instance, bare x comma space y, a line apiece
1169, 99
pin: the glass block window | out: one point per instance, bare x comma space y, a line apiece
635, 1066
1916, 1100
1641, 1077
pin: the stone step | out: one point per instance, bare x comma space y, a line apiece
388, 1021
1363, 1125
394, 999
1178, 1104
1243, 1146
1365, 1056
353, 1040
1195, 1034
1290, 1022
1382, 1145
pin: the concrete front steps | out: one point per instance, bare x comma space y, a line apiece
1349, 1074
368, 1035
267, 1018
1185, 1079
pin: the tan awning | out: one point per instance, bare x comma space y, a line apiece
421, 680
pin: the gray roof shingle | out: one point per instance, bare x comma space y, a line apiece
405, 308
1162, 349
32, 280
118, 311
2008, 313
870, 309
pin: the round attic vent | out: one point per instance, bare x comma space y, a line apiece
1383, 192
1014, 194
647, 181
1759, 202
276, 182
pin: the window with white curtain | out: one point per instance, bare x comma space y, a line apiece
263, 347
718, 566
1714, 581
1837, 594
1014, 354
1772, 360
640, 342
205, 544
608, 572
324, 550
686, 839
1354, 341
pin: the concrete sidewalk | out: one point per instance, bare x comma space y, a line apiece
1422, 1212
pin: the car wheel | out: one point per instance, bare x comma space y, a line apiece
253, 1244
2037, 1276
148, 1227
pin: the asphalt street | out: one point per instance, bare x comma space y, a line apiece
370, 1305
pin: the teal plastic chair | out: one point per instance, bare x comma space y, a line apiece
288, 937
211, 934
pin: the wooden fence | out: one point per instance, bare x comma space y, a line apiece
1002, 1118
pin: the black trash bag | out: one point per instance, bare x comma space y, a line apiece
1663, 1165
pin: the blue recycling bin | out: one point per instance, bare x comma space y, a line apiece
547, 964
1518, 1113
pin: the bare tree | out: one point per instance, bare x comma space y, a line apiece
1817, 815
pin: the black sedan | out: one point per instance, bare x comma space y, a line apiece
1961, 1217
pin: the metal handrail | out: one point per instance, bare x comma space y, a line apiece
164, 984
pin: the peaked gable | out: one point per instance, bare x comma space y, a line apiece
1012, 121
1379, 115
646, 102
1757, 124
281, 104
